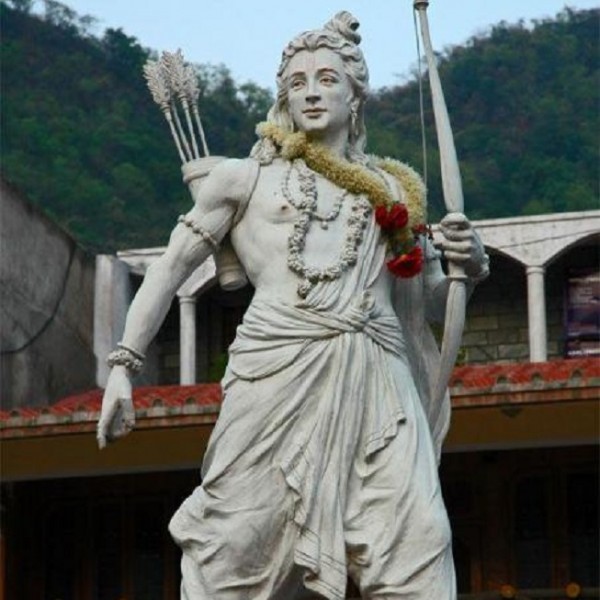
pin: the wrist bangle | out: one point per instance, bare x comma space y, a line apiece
124, 357
139, 355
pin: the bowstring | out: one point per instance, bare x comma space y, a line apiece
421, 101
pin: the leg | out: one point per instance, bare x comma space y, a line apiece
237, 538
398, 535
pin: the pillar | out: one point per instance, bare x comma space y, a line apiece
112, 296
536, 307
187, 340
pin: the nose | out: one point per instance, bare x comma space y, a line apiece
312, 92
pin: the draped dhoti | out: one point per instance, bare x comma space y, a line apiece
321, 465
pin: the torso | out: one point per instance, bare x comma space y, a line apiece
261, 237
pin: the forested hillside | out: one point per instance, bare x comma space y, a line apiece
524, 110
82, 138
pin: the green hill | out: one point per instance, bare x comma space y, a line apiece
524, 108
82, 138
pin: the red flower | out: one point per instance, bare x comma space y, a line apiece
395, 218
407, 265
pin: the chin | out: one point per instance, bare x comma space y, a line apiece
313, 125
316, 133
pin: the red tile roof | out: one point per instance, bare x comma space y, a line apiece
156, 405
471, 385
517, 383
581, 371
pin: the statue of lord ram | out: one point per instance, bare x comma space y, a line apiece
323, 462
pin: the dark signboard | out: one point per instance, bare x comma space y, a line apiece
582, 321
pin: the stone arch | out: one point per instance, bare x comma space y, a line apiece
537, 240
584, 237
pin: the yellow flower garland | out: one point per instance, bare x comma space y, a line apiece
357, 179
412, 185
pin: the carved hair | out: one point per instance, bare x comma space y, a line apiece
340, 36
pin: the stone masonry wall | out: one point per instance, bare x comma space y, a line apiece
496, 328
496, 325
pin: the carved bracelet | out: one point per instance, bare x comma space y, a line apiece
125, 357
199, 230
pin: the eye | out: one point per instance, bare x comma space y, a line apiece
328, 79
297, 84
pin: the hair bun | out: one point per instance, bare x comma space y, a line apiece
346, 25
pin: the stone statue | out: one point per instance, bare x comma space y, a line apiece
323, 462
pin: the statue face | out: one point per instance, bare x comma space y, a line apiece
319, 92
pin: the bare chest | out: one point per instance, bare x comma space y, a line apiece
291, 219
283, 194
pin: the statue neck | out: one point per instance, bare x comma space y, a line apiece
335, 142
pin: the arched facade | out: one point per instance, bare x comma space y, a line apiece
517, 314
532, 246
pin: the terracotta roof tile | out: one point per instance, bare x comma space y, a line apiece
580, 371
166, 402
150, 401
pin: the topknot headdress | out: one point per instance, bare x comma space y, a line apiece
346, 25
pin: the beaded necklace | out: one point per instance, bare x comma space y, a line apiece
308, 200
401, 224
360, 211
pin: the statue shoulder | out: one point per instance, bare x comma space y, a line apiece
412, 189
229, 178
231, 174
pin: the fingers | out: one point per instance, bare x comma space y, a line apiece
128, 414
456, 227
455, 221
106, 418
457, 235
121, 424
101, 439
458, 243
458, 247
461, 244
116, 422
457, 257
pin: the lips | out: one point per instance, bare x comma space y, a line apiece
313, 111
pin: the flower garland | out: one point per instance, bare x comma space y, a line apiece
401, 223
407, 261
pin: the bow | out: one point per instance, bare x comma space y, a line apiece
453, 198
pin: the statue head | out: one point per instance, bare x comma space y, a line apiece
340, 37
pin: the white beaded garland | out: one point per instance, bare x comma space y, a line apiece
307, 212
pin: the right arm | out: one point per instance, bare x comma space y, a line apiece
191, 242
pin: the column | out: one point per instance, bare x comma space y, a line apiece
187, 340
112, 296
536, 306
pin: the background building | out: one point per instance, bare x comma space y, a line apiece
520, 470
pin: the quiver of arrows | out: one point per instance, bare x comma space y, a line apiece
174, 87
